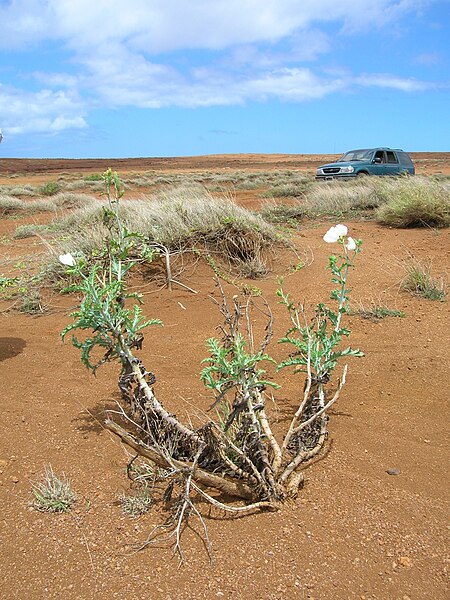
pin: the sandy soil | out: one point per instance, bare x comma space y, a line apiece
354, 532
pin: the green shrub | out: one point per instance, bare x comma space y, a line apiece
93, 177
6, 282
49, 189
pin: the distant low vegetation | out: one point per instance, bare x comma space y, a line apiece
13, 205
397, 202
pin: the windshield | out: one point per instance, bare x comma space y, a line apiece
355, 155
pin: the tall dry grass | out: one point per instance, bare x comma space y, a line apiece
397, 201
342, 197
182, 219
414, 202
63, 200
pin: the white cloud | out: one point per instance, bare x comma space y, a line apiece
257, 50
392, 82
39, 112
166, 25
121, 78
290, 84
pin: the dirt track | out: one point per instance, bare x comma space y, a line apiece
353, 532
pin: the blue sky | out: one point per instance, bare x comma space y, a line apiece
108, 78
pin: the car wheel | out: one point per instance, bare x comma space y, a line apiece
362, 174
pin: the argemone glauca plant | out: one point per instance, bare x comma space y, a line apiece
316, 353
235, 451
115, 327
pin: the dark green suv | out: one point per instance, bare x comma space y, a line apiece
376, 161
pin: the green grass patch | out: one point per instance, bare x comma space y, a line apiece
376, 312
93, 177
283, 213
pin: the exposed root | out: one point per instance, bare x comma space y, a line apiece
241, 458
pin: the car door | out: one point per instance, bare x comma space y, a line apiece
378, 166
392, 163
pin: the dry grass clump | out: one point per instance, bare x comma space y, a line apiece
414, 202
341, 197
63, 200
240, 180
136, 503
183, 219
21, 190
400, 201
72, 200
285, 190
26, 231
139, 181
9, 205
418, 280
53, 493
288, 187
82, 184
78, 184
250, 184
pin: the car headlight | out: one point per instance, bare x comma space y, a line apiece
319, 172
348, 169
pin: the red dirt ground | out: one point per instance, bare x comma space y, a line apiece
425, 162
353, 532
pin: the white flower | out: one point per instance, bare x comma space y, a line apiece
351, 244
335, 233
67, 259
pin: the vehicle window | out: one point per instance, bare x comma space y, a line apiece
391, 158
404, 159
355, 155
379, 154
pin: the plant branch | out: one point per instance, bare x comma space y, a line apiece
230, 487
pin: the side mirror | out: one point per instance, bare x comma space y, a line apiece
377, 160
